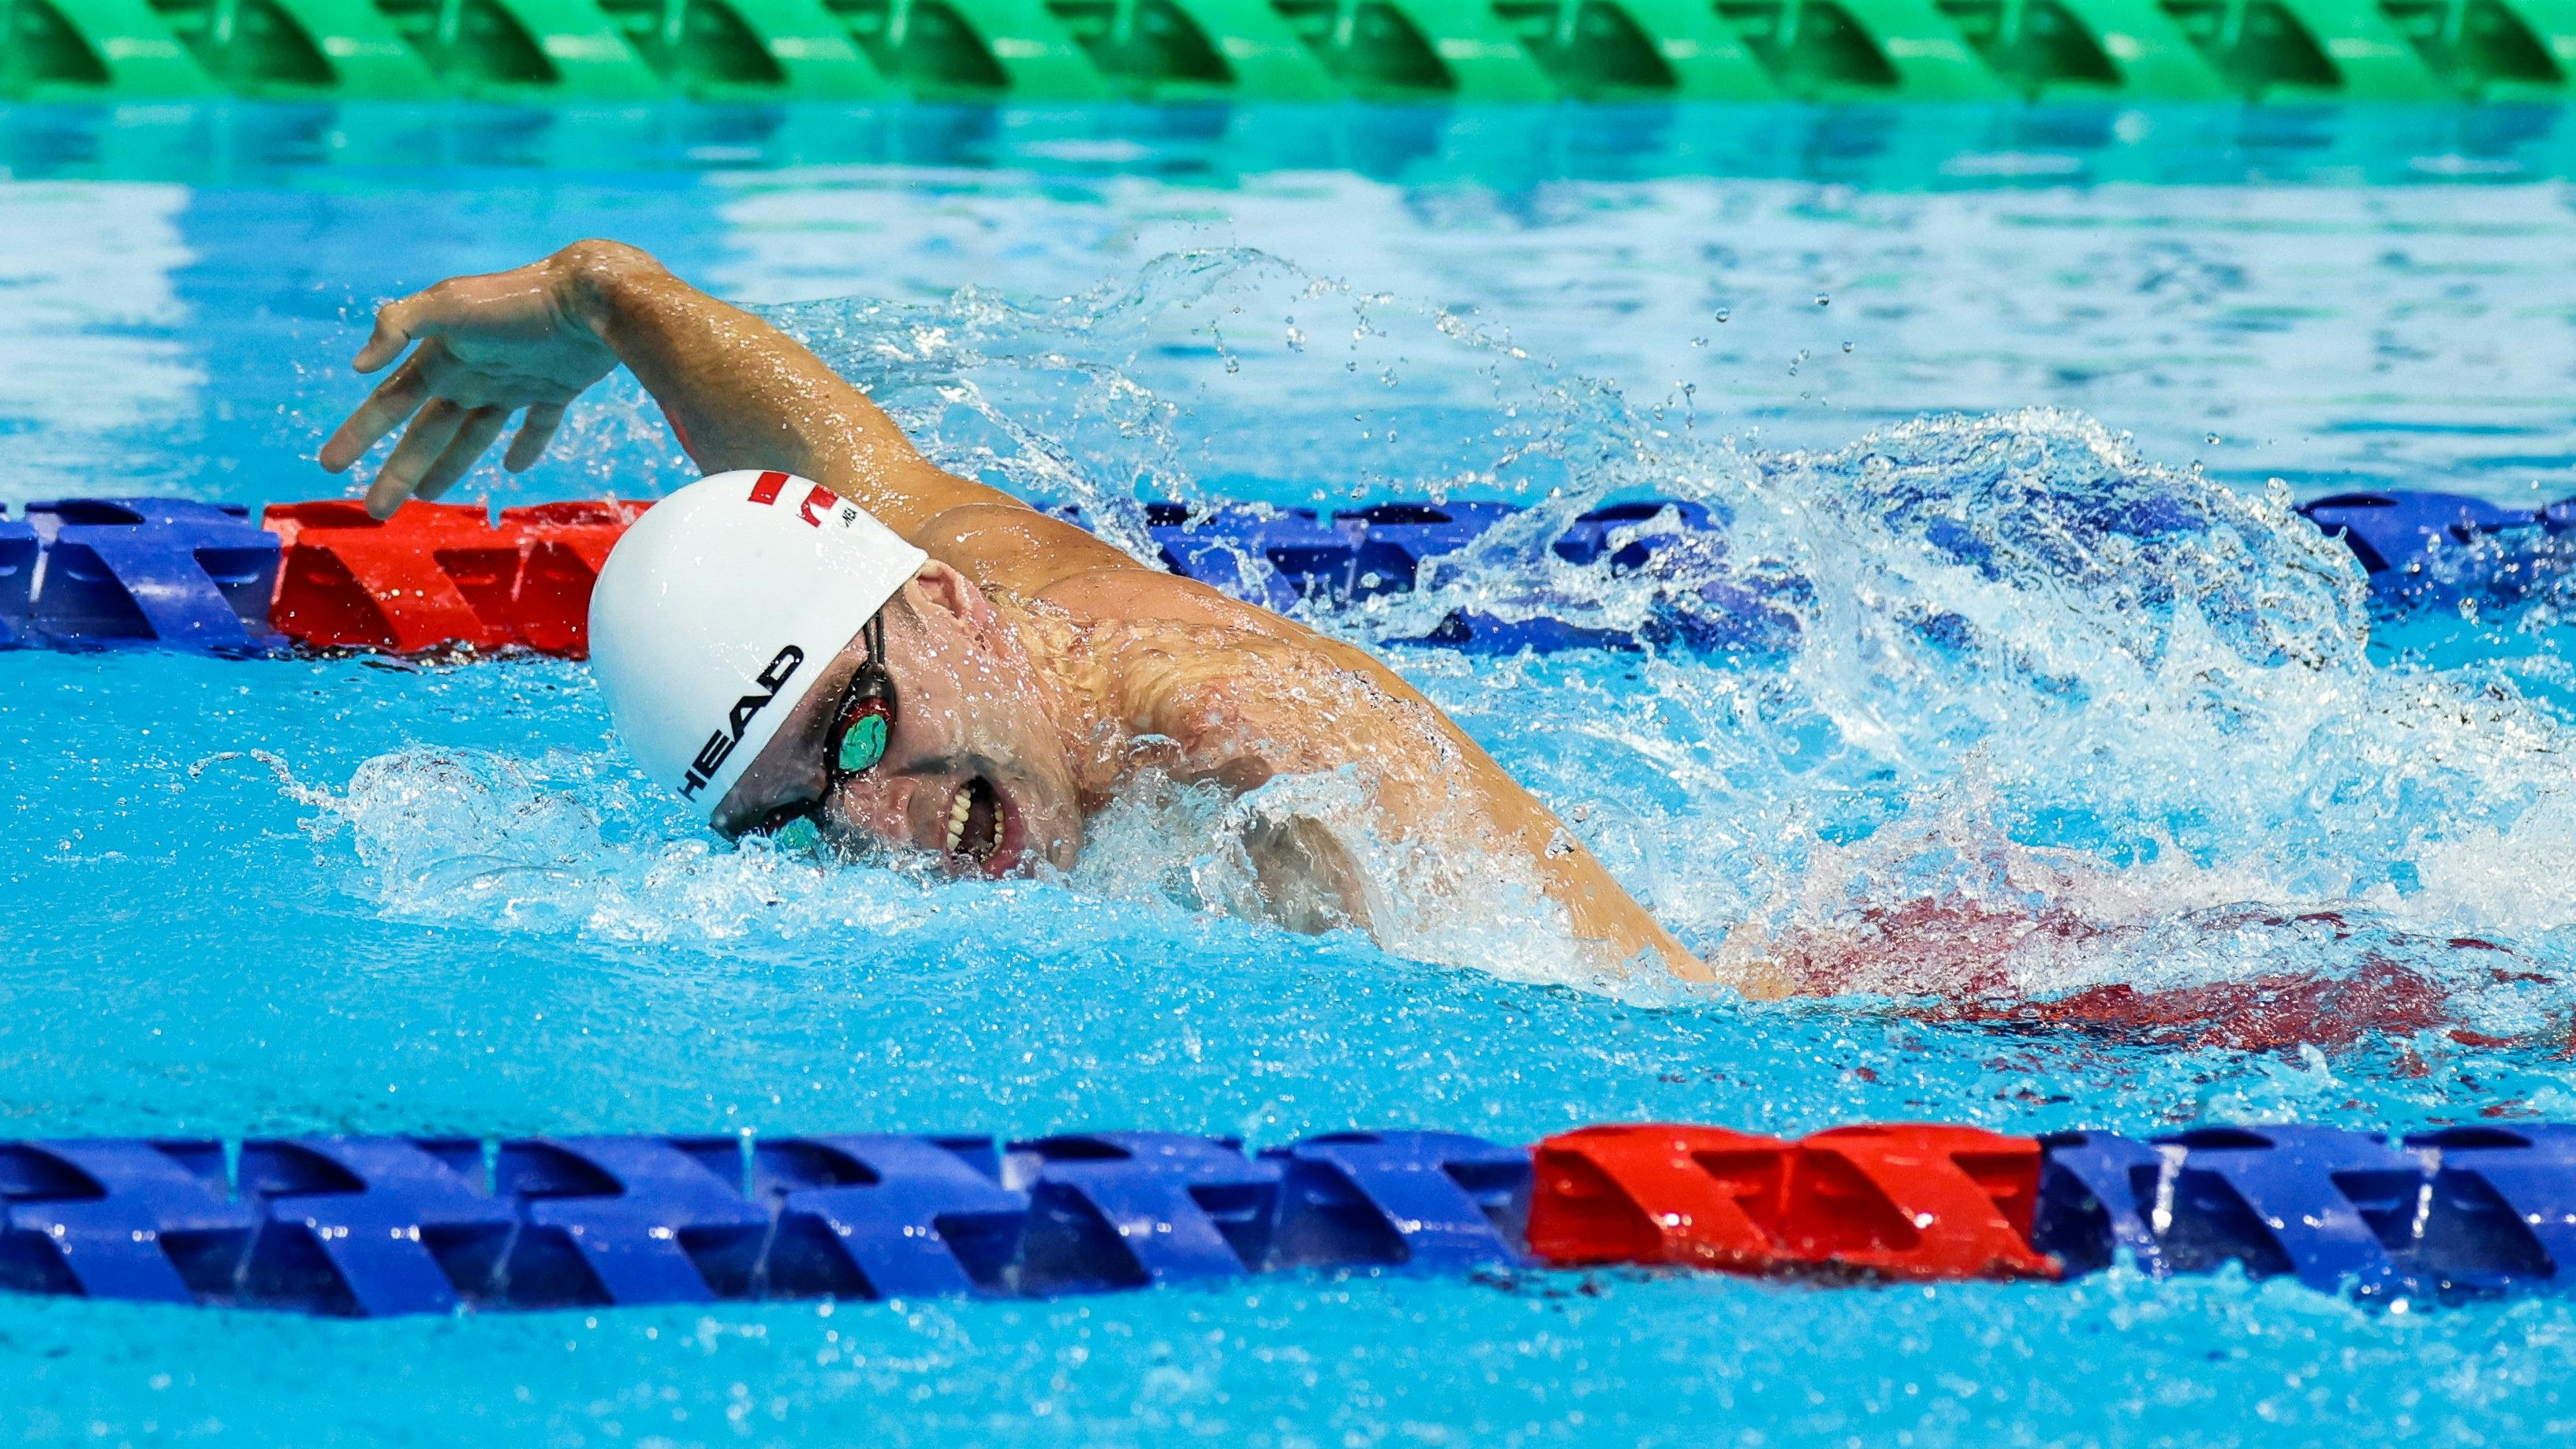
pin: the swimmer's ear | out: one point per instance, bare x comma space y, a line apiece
937, 586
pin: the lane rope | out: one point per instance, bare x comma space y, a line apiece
379, 1226
82, 573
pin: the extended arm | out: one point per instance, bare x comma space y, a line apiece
738, 392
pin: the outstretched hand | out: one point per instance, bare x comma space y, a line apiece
489, 346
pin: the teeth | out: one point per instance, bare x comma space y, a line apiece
957, 817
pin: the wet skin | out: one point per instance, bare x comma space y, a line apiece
1038, 668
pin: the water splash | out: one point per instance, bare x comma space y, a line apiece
1422, 901
565, 845
2046, 717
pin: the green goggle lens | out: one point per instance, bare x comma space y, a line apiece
863, 743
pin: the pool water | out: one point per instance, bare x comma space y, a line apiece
2085, 786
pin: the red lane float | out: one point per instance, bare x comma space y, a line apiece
434, 574
440, 575
1695, 1196
1905, 1201
562, 547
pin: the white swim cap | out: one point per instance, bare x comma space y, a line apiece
718, 610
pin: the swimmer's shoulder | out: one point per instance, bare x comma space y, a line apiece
1014, 548
1027, 554
1019, 551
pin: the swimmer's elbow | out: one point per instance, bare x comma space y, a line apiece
1306, 880
600, 257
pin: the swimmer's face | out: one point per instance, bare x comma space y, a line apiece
974, 771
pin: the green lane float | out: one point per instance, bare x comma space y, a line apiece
1535, 51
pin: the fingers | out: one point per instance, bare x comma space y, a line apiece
398, 324
394, 399
535, 431
421, 445
388, 340
481, 426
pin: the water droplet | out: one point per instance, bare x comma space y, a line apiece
1823, 301
1724, 312
1847, 347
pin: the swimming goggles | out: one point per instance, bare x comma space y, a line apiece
862, 726
865, 721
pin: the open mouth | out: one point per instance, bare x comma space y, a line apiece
977, 824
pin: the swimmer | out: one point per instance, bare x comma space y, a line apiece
897, 656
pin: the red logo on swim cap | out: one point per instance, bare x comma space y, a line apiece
821, 497
765, 490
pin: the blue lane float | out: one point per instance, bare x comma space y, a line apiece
2325, 1206
1133, 1209
376, 1227
2465, 1212
888, 1216
388, 1226
1284, 558
2500, 1209
1433, 1201
18, 550
2435, 549
159, 572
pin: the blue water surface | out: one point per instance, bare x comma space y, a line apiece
2085, 788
